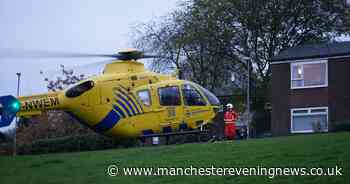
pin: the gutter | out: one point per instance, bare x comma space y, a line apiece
307, 59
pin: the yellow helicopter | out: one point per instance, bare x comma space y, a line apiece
125, 101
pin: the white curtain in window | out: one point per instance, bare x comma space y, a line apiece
314, 74
309, 123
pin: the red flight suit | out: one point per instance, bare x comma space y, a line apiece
230, 117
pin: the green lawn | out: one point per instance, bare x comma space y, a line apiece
322, 150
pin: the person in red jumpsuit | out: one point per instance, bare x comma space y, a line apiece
230, 117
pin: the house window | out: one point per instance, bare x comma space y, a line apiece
309, 74
306, 120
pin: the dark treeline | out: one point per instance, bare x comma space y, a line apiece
205, 41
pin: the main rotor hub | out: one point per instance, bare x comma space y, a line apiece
130, 54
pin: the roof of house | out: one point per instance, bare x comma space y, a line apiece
324, 50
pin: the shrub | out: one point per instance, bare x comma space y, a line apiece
341, 126
74, 143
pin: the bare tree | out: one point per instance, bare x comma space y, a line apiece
66, 79
196, 52
164, 38
213, 35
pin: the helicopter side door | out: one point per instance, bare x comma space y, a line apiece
146, 122
169, 107
196, 110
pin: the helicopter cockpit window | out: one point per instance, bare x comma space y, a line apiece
145, 97
191, 96
80, 89
169, 96
213, 100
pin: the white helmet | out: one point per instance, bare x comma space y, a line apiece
229, 105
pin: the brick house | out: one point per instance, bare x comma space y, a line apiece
310, 88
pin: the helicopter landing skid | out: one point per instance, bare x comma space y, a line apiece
167, 136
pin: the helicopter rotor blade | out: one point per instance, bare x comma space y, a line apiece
24, 54
78, 69
10, 53
150, 56
90, 65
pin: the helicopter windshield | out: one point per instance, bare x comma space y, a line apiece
80, 89
213, 100
192, 97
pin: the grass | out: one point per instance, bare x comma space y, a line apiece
322, 150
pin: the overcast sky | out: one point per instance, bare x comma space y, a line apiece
88, 26
95, 26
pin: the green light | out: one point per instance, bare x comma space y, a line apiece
16, 105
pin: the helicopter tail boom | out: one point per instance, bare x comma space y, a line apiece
34, 105
27, 106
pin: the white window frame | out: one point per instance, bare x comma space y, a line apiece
302, 66
309, 112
